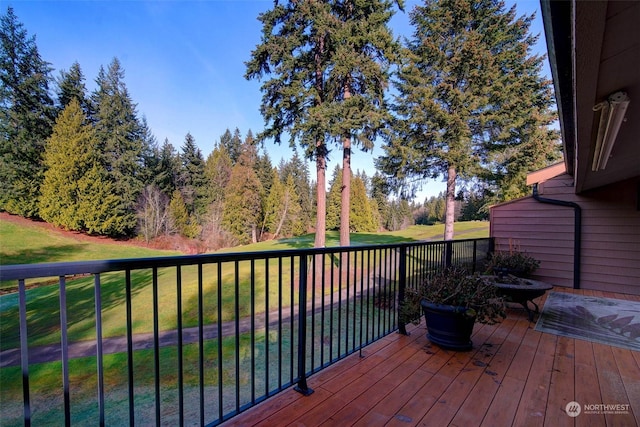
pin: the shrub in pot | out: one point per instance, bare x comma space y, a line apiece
512, 262
452, 300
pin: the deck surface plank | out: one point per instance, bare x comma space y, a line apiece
513, 376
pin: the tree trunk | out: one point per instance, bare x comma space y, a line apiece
321, 195
449, 215
321, 155
345, 206
345, 200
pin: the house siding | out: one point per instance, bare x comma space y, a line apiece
610, 247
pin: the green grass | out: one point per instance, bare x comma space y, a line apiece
29, 245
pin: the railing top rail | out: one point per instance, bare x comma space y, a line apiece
27, 271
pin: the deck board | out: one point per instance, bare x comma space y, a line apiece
513, 376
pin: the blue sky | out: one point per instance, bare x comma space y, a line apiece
183, 61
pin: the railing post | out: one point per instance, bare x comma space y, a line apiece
302, 386
448, 253
402, 285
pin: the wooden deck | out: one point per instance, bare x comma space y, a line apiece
514, 376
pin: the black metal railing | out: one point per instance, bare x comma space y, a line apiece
196, 339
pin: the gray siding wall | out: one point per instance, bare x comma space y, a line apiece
610, 234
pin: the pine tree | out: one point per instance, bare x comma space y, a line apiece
26, 117
121, 140
468, 89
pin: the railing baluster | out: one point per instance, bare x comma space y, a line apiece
156, 344
252, 304
323, 308
219, 343
24, 352
237, 330
267, 288
99, 351
280, 296
129, 348
302, 386
64, 350
180, 345
201, 342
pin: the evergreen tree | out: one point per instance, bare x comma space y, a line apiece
243, 205
167, 172
69, 154
297, 168
232, 143
380, 192
264, 171
26, 117
469, 88
150, 154
99, 206
218, 171
76, 192
273, 207
329, 62
361, 218
293, 224
193, 182
364, 50
121, 140
180, 220
71, 86
334, 200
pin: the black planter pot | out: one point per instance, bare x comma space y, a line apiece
448, 326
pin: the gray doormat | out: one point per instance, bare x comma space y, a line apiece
604, 320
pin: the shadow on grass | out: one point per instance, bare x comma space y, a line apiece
43, 308
43, 254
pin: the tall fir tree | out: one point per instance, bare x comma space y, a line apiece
26, 117
468, 89
168, 169
297, 168
193, 182
121, 140
243, 204
71, 86
329, 62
